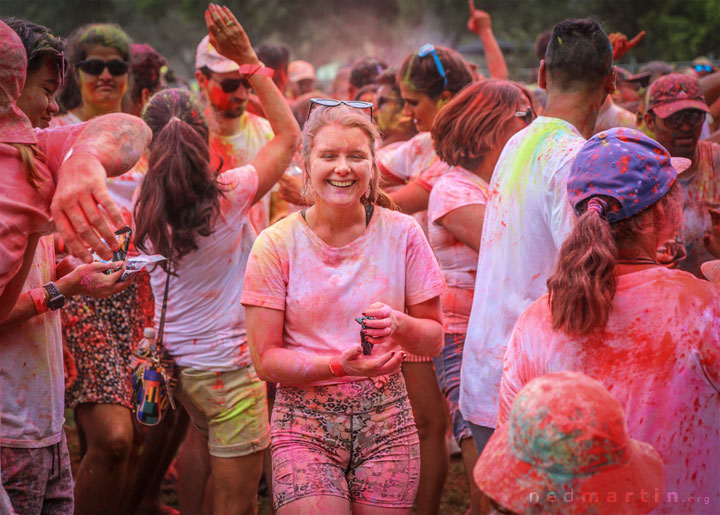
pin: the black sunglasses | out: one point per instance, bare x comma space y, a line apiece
116, 67
330, 102
232, 85
692, 117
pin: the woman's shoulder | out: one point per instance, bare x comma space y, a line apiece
284, 230
393, 219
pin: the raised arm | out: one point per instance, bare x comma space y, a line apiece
83, 210
480, 24
229, 39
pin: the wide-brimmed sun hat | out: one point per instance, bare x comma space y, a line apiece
566, 449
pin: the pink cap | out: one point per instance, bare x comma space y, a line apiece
207, 56
566, 449
300, 70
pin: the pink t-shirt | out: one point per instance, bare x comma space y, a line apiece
454, 189
659, 356
205, 322
322, 289
31, 368
25, 210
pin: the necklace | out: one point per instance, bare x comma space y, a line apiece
637, 261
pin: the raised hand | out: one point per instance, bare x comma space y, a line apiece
228, 36
479, 20
621, 45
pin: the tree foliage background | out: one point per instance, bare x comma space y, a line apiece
324, 31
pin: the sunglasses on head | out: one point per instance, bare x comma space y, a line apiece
429, 49
527, 115
232, 85
96, 66
703, 68
330, 102
692, 117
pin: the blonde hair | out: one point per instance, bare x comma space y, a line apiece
349, 117
28, 155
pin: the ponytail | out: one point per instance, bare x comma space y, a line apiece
583, 284
179, 198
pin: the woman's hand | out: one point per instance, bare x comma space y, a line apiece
227, 35
385, 324
90, 281
354, 363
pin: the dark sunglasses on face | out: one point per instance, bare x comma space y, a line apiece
703, 68
527, 115
692, 117
232, 85
330, 102
116, 67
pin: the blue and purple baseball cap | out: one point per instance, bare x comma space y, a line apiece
626, 165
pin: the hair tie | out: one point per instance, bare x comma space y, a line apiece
174, 119
599, 205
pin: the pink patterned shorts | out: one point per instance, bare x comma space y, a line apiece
350, 440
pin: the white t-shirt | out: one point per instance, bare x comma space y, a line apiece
322, 289
32, 383
205, 322
455, 189
406, 161
527, 218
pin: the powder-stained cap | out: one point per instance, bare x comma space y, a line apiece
300, 70
15, 127
207, 56
675, 92
626, 165
566, 449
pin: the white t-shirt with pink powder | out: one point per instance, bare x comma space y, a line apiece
659, 356
407, 160
322, 289
455, 189
205, 321
31, 368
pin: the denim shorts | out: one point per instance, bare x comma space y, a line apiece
349, 440
229, 407
447, 370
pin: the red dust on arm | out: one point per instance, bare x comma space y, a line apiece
481, 24
82, 208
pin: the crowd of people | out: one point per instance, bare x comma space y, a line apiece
349, 282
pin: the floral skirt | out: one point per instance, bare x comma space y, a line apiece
101, 335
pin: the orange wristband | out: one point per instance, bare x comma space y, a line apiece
336, 368
38, 297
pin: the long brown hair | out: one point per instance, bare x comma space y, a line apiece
350, 117
180, 197
583, 284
